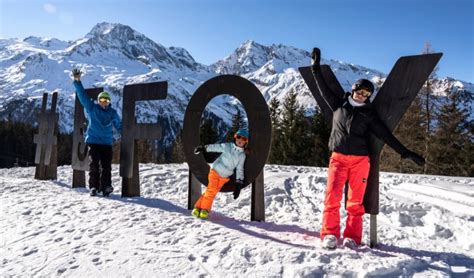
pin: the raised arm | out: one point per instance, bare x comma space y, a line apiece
80, 92
331, 98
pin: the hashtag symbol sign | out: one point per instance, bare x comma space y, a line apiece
46, 138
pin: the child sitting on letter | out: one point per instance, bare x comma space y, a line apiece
232, 157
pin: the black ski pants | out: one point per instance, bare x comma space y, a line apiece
100, 166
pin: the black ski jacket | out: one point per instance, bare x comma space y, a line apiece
351, 126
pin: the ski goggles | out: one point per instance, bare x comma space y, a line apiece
104, 100
363, 92
240, 137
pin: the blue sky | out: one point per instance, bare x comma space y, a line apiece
372, 33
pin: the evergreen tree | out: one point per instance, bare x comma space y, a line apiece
295, 134
275, 156
238, 122
453, 140
208, 134
177, 153
320, 132
64, 149
415, 130
16, 144
145, 151
411, 133
430, 107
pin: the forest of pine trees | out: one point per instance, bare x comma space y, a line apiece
438, 128
448, 142
297, 139
17, 147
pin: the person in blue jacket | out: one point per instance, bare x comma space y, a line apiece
232, 157
99, 136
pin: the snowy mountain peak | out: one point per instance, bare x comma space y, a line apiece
250, 45
248, 57
46, 43
33, 39
251, 56
106, 28
182, 55
115, 35
135, 46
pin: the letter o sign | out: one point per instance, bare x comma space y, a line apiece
259, 125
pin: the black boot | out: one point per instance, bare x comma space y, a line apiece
107, 190
93, 191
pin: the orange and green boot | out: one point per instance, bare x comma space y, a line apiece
196, 212
203, 214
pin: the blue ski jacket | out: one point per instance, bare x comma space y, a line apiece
232, 157
101, 120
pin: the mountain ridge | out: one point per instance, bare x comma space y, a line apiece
112, 55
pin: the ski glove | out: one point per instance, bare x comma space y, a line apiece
76, 73
239, 184
199, 149
316, 57
415, 157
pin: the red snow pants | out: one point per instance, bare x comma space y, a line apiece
342, 168
215, 184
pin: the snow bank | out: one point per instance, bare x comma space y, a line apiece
48, 229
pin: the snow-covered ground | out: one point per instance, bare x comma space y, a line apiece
426, 228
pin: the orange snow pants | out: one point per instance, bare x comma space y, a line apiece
342, 168
215, 184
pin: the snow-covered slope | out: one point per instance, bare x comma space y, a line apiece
426, 228
112, 55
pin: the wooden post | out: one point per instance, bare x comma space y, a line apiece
131, 186
373, 230
78, 178
46, 156
194, 190
257, 210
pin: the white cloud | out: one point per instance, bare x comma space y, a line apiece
66, 18
49, 8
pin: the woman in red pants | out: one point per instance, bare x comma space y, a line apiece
354, 119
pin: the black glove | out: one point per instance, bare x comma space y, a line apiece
199, 149
415, 157
316, 57
76, 73
239, 184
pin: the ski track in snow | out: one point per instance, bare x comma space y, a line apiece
425, 226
